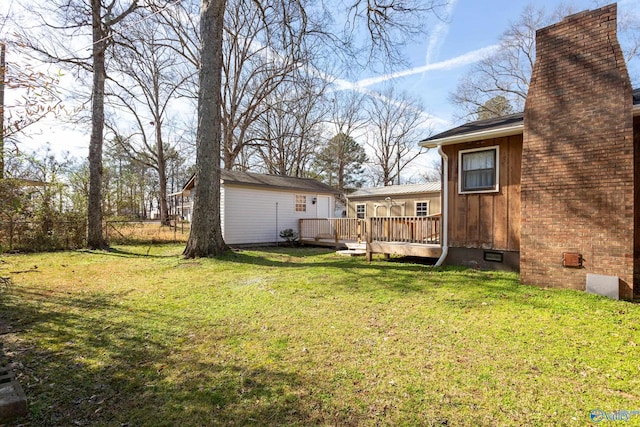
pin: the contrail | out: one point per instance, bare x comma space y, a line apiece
467, 58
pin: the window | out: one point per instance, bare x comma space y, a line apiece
301, 203
422, 208
478, 170
360, 211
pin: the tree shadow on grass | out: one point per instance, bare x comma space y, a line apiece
119, 252
403, 275
90, 360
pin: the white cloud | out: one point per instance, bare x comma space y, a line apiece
439, 33
458, 61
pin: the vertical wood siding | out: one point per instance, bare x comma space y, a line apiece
487, 220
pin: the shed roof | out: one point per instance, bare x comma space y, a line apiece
390, 190
512, 124
280, 182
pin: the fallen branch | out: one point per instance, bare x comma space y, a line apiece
33, 270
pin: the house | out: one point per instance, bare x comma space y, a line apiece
255, 208
395, 200
553, 192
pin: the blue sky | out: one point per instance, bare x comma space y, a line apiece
473, 27
452, 46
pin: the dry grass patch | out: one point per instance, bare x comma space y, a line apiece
141, 232
305, 337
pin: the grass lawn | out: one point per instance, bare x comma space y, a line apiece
141, 337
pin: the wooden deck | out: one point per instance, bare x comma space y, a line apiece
334, 232
423, 250
407, 236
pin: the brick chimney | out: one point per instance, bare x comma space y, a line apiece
578, 157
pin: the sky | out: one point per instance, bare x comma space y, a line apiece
453, 46
434, 65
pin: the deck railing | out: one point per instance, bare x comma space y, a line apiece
332, 228
414, 229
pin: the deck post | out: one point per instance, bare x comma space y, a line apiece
299, 229
368, 234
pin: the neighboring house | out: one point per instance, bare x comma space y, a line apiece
553, 192
181, 206
256, 207
395, 200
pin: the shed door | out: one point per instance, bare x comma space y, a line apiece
324, 207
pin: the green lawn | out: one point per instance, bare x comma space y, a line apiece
142, 337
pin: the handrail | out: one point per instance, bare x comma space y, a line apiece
332, 228
400, 229
415, 229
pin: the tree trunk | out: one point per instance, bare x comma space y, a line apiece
95, 239
206, 238
2, 78
162, 175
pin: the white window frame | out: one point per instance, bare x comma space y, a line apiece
496, 187
426, 202
364, 211
301, 203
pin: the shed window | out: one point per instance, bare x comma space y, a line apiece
478, 170
360, 211
301, 203
422, 208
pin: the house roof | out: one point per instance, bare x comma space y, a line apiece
512, 124
280, 182
390, 190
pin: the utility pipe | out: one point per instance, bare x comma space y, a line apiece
445, 206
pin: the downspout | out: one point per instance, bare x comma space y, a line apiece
445, 206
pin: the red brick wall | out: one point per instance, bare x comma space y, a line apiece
636, 254
578, 156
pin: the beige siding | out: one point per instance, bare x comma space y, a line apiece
404, 205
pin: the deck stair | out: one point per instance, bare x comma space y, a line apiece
354, 249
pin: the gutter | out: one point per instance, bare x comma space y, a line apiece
445, 206
514, 129
475, 136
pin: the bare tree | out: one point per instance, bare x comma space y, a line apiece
629, 37
150, 77
433, 172
289, 132
27, 96
506, 73
347, 114
385, 22
97, 21
394, 121
258, 57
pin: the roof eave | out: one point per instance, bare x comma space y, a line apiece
474, 136
636, 110
375, 196
279, 187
